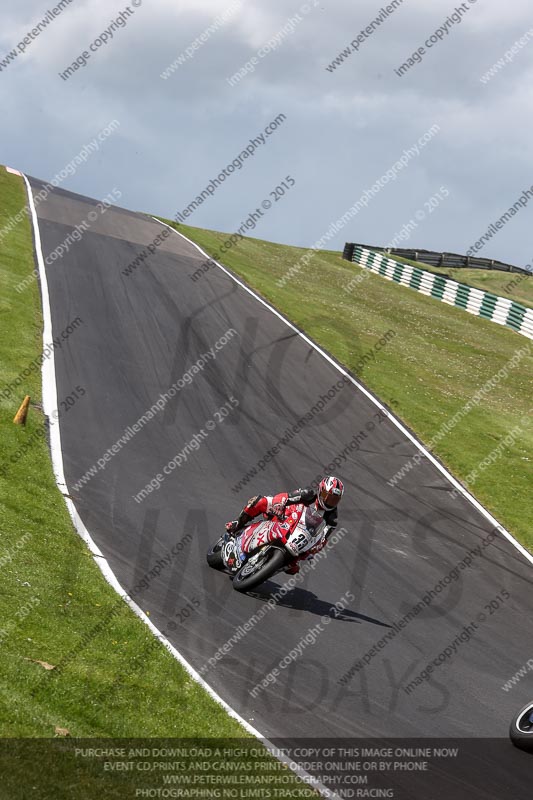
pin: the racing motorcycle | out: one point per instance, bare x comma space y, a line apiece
261, 550
521, 730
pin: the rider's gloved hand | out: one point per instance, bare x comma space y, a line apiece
231, 527
278, 509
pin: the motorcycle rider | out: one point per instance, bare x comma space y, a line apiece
316, 506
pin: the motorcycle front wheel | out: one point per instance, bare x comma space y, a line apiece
521, 730
259, 568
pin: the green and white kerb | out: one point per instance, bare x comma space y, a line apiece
483, 304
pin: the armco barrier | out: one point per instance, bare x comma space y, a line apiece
432, 259
475, 301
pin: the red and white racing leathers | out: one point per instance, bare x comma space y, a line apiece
283, 514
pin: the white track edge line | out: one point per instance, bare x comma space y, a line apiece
365, 391
49, 390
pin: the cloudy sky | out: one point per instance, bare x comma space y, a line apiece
344, 128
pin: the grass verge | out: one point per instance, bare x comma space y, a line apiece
437, 361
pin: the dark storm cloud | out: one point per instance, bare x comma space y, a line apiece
344, 128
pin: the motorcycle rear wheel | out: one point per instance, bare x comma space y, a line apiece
252, 574
214, 555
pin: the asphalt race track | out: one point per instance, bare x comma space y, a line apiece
141, 333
